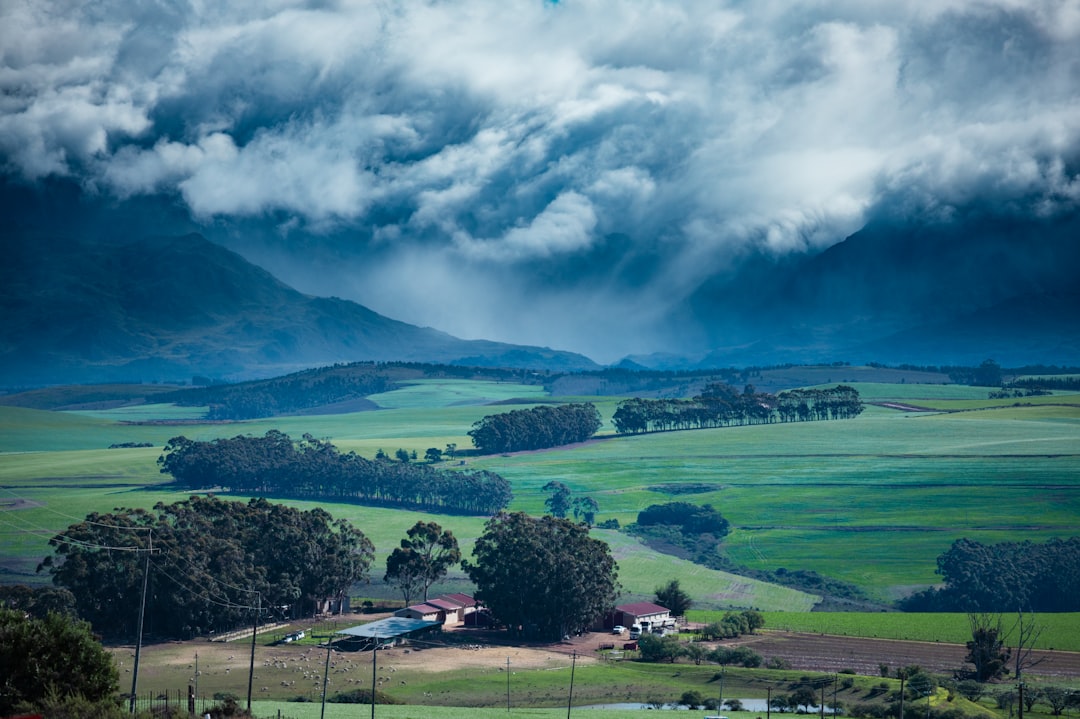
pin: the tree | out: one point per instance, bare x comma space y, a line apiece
542, 577
225, 551
38, 602
405, 570
423, 558
987, 374
403, 455
986, 650
585, 508
673, 598
660, 649
57, 656
692, 699
433, 454
1027, 632
696, 652
558, 504
1057, 699
971, 690
803, 697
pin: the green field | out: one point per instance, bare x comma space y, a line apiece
1058, 631
872, 501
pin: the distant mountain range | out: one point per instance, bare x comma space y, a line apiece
933, 294
168, 308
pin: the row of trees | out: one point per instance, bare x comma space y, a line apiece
277, 465
535, 428
1005, 577
212, 563
721, 405
291, 393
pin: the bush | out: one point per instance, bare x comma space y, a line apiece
362, 696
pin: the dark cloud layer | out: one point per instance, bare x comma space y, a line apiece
588, 164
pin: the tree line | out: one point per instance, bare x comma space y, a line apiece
323, 386
721, 405
291, 393
1004, 577
277, 465
535, 428
213, 563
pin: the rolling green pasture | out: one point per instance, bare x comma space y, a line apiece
1059, 631
872, 500
455, 392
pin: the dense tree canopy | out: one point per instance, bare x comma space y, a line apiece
50, 656
689, 518
37, 602
1005, 577
536, 428
209, 559
721, 405
542, 577
276, 465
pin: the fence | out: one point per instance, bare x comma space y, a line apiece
183, 703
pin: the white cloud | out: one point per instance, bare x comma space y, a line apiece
507, 138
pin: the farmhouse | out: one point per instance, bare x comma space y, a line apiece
445, 609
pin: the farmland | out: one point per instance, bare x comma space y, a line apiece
871, 501
896, 486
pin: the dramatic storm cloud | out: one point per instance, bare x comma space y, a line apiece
551, 173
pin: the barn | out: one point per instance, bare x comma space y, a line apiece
644, 614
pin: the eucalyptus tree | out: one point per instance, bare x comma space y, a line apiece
542, 577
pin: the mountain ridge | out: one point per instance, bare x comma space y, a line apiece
170, 307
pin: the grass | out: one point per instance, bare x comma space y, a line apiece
1058, 631
454, 392
900, 487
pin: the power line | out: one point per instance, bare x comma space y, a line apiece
228, 604
47, 508
59, 537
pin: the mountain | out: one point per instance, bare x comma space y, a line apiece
935, 293
167, 308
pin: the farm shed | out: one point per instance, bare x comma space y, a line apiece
446, 608
630, 614
392, 630
468, 604
423, 612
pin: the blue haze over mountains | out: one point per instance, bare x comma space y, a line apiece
664, 184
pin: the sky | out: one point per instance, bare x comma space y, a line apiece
562, 174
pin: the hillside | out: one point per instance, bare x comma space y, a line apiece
920, 293
167, 308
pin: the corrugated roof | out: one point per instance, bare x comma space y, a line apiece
463, 599
443, 604
641, 609
388, 628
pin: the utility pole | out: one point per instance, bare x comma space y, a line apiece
903, 676
326, 677
508, 684
768, 702
254, 631
720, 706
374, 662
142, 613
570, 699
